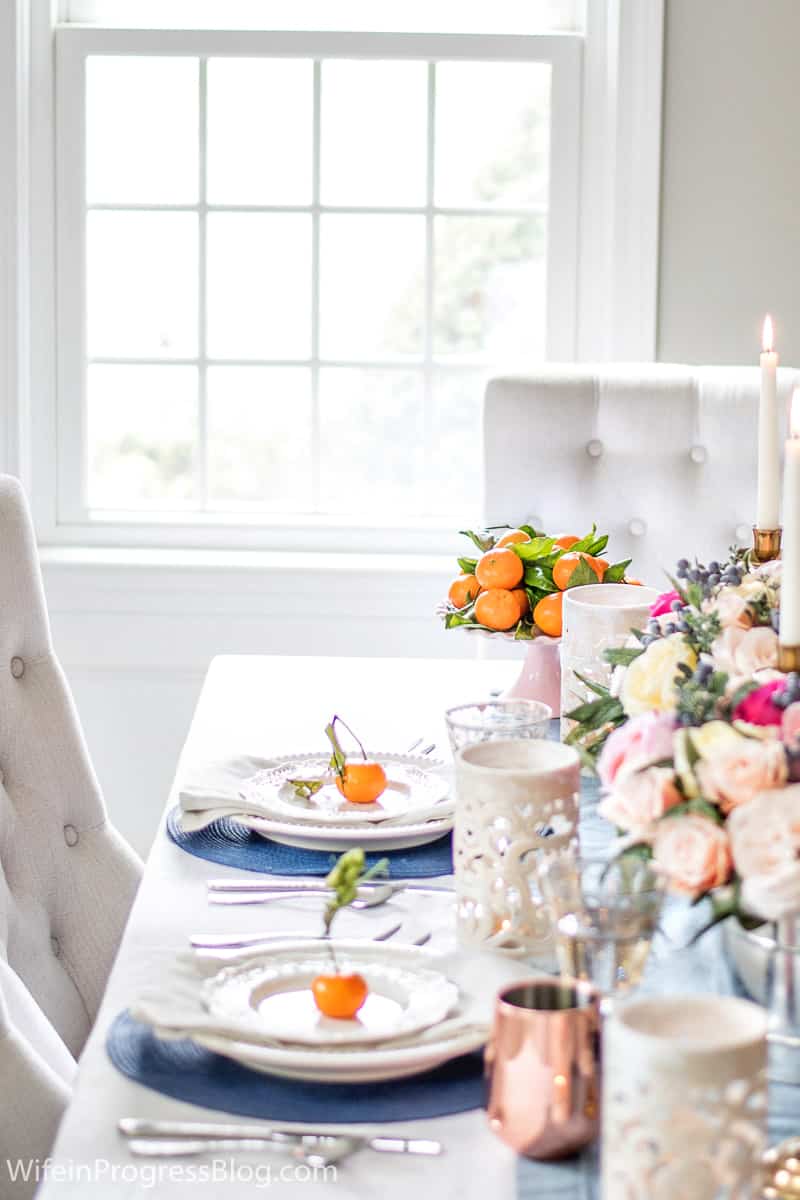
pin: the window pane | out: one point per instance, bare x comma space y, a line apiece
374, 119
372, 438
142, 284
490, 287
506, 109
372, 286
259, 430
454, 424
142, 426
259, 285
141, 130
260, 116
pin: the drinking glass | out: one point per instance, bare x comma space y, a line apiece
604, 916
497, 720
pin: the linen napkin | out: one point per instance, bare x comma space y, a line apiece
214, 791
175, 1008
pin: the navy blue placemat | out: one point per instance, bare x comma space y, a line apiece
186, 1071
234, 845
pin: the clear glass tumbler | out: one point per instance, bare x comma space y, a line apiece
497, 720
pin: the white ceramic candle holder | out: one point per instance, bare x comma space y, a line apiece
684, 1099
597, 617
516, 800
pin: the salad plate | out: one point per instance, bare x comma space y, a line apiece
372, 837
273, 997
415, 789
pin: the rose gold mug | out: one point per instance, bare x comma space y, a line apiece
543, 1064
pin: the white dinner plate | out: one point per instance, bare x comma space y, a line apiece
415, 788
338, 837
273, 995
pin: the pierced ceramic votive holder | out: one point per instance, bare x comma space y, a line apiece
684, 1099
597, 617
515, 802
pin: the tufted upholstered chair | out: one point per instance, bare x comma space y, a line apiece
67, 879
662, 457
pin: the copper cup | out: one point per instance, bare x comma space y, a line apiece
543, 1063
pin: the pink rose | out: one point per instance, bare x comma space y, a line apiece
758, 709
736, 773
774, 895
790, 726
642, 740
640, 797
740, 651
693, 852
731, 608
664, 603
765, 834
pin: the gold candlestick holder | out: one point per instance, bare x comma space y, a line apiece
788, 658
767, 543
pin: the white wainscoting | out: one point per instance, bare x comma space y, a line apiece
136, 633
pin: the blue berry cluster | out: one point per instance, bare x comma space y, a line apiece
789, 694
707, 578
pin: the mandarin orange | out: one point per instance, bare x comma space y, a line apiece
598, 565
547, 614
521, 597
463, 590
566, 540
512, 538
499, 569
363, 782
339, 996
564, 566
497, 608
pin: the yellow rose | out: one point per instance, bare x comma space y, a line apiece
649, 683
713, 736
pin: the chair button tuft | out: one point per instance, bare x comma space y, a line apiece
55, 945
71, 835
743, 533
698, 454
17, 667
594, 448
637, 527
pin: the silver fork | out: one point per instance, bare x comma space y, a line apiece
250, 941
368, 899
316, 1156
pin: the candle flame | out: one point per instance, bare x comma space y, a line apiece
794, 414
768, 335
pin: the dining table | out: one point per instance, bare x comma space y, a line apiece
281, 705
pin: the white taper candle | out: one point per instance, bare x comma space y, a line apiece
769, 463
790, 571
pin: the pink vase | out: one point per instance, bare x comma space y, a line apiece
540, 677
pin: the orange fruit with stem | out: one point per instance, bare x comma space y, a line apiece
598, 565
463, 590
497, 608
547, 614
566, 540
339, 996
564, 567
499, 569
514, 537
362, 782
521, 597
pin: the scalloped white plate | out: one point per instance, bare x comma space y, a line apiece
273, 995
415, 790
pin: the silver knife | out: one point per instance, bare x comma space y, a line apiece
137, 1127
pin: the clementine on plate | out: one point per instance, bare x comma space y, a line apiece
513, 537
497, 608
339, 996
362, 782
547, 614
521, 597
463, 589
499, 569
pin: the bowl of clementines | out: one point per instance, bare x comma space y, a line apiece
515, 588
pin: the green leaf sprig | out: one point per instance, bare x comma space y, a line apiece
349, 871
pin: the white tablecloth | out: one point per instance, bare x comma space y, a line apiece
274, 705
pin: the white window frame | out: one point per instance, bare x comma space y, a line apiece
601, 302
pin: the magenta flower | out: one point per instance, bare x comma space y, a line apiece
664, 603
758, 708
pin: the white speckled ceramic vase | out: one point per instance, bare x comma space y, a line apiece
684, 1099
596, 617
515, 801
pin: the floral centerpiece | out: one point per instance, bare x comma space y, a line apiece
697, 743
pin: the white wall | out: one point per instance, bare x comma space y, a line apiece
730, 239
